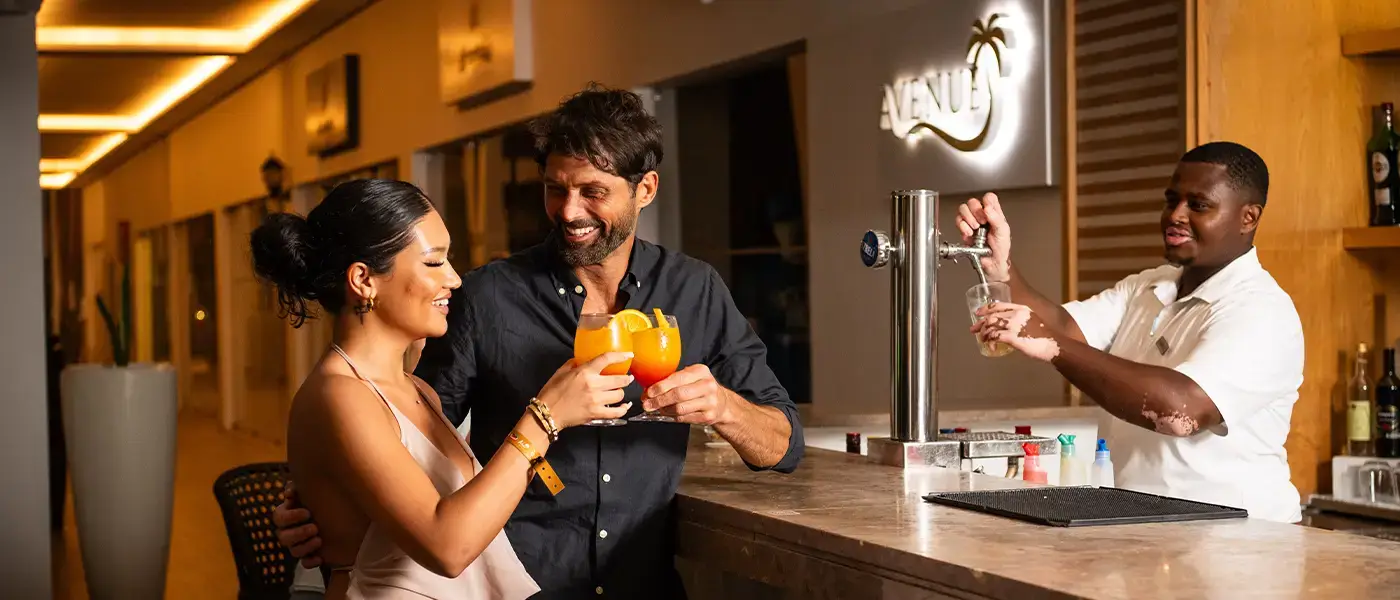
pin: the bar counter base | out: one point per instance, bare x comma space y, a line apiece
718, 564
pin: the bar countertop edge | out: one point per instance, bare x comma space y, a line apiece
840, 518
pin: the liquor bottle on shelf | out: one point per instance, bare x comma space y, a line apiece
1359, 422
1388, 410
1381, 153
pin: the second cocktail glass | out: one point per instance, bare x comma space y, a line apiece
656, 352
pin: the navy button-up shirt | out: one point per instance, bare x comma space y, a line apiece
511, 325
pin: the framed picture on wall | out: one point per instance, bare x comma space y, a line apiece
485, 50
333, 107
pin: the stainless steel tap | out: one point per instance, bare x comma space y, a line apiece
912, 249
973, 253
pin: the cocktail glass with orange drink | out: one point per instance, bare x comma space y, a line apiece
598, 334
656, 352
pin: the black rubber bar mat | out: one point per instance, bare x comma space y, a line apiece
1083, 506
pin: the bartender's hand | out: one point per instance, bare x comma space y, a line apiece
690, 395
973, 214
295, 531
1016, 326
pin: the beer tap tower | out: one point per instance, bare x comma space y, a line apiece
912, 249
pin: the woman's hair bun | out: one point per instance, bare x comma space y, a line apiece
283, 251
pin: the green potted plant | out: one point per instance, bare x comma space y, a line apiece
119, 422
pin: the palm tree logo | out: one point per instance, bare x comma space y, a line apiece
993, 35
989, 35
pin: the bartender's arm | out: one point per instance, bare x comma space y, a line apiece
1162, 399
1246, 356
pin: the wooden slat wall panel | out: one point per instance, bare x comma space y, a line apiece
1130, 129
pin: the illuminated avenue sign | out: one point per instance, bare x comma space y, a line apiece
962, 104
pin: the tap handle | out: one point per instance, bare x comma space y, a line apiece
979, 239
875, 249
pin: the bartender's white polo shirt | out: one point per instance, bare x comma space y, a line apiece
1237, 336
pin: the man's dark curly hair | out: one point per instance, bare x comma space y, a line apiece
609, 128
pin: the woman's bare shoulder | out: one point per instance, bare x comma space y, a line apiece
323, 390
328, 400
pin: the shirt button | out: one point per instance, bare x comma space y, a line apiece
598, 590
561, 291
606, 478
578, 289
603, 533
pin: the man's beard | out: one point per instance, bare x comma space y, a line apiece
608, 239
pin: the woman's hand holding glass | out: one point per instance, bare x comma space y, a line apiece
580, 393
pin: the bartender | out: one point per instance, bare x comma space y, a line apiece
1198, 362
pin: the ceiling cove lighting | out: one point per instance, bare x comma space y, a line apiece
168, 39
207, 68
86, 123
141, 39
58, 173
176, 91
52, 165
119, 125
54, 181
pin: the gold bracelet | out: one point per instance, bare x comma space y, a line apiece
545, 423
544, 418
537, 462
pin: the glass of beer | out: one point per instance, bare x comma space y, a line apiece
656, 354
981, 295
598, 334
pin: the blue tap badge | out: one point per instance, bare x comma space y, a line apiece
869, 249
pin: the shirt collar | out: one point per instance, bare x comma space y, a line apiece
1213, 289
641, 262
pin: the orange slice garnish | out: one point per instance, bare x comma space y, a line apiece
632, 320
660, 319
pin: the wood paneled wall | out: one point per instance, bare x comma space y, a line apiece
1270, 75
1130, 128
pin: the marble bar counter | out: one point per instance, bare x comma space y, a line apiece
842, 527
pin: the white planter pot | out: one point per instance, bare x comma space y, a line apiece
120, 429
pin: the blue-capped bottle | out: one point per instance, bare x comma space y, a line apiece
1101, 475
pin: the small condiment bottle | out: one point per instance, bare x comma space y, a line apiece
1032, 469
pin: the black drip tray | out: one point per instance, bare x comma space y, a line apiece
1082, 506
